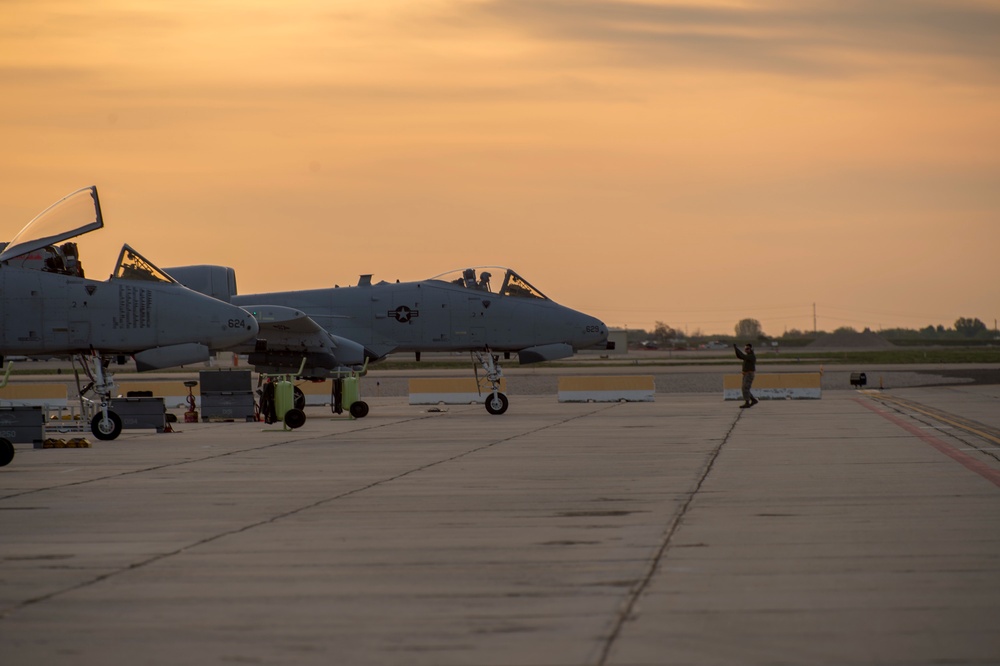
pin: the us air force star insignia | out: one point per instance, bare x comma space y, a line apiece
403, 314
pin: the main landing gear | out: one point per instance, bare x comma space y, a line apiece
496, 402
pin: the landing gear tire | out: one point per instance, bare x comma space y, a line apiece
106, 429
6, 452
299, 398
497, 404
359, 409
295, 418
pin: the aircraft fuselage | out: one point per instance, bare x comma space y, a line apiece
48, 313
433, 315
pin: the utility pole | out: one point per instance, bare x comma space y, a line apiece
814, 319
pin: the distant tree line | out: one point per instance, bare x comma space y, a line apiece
965, 328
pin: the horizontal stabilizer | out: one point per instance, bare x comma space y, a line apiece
541, 353
171, 356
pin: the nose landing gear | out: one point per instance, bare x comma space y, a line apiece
496, 402
106, 425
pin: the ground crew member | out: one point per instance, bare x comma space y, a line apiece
749, 371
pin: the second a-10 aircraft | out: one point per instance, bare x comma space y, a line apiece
488, 311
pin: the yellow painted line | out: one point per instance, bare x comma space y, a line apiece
936, 416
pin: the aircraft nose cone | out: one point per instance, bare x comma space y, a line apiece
594, 333
597, 329
237, 326
253, 328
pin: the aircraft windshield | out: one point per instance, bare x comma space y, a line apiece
488, 278
518, 286
71, 216
133, 266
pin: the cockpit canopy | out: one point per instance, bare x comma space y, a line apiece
483, 278
35, 246
133, 266
73, 215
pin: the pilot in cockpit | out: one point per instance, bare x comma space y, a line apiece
63, 259
484, 281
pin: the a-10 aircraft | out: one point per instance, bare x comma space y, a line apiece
48, 307
486, 310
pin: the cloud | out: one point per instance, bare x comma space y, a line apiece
819, 37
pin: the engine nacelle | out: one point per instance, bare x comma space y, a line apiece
219, 282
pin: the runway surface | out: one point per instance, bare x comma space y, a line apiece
863, 528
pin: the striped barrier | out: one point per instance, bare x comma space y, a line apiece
625, 388
775, 386
51, 395
451, 390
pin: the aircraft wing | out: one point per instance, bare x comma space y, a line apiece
287, 336
286, 323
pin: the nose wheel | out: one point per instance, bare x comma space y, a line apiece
497, 403
106, 426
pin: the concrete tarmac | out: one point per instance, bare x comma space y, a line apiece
857, 529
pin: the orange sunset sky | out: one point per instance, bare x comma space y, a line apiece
687, 162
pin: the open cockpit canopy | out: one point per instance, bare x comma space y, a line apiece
71, 216
35, 246
483, 278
